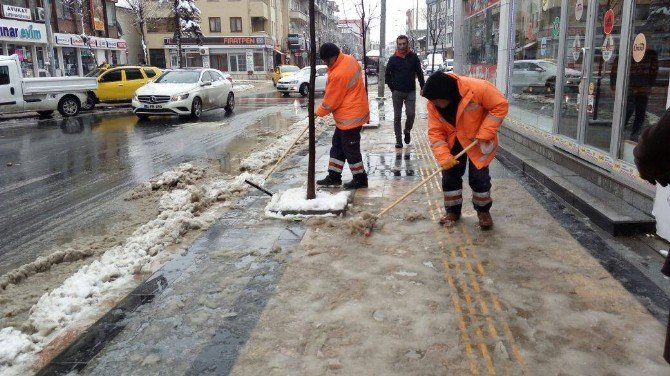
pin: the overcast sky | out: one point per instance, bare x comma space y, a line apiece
395, 15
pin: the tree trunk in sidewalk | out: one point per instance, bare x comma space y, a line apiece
311, 167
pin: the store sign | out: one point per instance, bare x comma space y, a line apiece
608, 22
10, 11
63, 39
639, 47
22, 31
112, 43
608, 48
77, 40
579, 10
98, 24
250, 60
121, 44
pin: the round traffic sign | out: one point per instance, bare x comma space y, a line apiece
608, 48
608, 22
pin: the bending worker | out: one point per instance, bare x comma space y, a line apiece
346, 98
460, 111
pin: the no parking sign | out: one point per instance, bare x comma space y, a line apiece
608, 22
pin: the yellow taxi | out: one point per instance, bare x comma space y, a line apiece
282, 71
120, 83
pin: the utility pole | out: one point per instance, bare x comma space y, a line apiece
382, 61
50, 45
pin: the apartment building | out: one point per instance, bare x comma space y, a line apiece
23, 32
326, 27
440, 15
242, 37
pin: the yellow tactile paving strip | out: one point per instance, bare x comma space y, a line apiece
458, 248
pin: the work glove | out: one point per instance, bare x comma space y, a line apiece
451, 162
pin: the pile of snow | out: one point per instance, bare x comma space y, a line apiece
16, 352
243, 87
295, 199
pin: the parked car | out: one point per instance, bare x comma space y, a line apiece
184, 92
433, 64
299, 82
448, 65
540, 76
43, 95
282, 71
120, 83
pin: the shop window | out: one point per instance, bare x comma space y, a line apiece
235, 24
111, 76
111, 14
215, 24
480, 30
133, 74
4, 75
149, 72
238, 62
648, 74
219, 61
16, 3
259, 62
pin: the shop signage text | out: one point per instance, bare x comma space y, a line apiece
30, 32
224, 41
19, 13
639, 47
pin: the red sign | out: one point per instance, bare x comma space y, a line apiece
608, 22
121, 44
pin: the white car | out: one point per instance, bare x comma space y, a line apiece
299, 81
540, 76
184, 92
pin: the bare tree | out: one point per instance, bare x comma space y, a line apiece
77, 8
365, 21
142, 11
436, 26
186, 23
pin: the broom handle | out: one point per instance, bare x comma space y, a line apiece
424, 181
267, 175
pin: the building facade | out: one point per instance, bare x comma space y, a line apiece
584, 77
440, 29
327, 29
82, 38
242, 37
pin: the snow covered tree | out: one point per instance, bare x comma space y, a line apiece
186, 23
77, 8
142, 11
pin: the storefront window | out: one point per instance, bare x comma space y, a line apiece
649, 72
481, 29
87, 60
25, 57
259, 62
219, 61
574, 68
535, 68
602, 82
238, 62
70, 62
157, 57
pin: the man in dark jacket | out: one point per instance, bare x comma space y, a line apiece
402, 70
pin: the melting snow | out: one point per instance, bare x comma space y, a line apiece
295, 199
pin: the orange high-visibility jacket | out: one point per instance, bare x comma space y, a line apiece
480, 113
345, 94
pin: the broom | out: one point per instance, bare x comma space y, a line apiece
372, 220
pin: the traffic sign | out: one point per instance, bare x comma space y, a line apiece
608, 22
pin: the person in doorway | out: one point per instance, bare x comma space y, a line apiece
402, 70
347, 100
460, 111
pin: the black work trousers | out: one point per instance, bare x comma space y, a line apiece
346, 147
452, 184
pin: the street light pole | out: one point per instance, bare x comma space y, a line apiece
50, 46
382, 63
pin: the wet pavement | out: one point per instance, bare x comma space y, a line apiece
60, 176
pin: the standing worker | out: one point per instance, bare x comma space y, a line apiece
460, 111
402, 70
347, 100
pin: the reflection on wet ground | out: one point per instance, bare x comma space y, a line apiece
59, 175
401, 163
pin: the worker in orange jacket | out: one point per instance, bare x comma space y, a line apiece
347, 100
460, 111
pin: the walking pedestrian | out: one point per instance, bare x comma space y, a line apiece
347, 100
460, 111
402, 71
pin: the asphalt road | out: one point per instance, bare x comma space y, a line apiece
58, 176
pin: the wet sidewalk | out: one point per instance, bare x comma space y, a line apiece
258, 296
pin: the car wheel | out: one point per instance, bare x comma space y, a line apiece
196, 108
304, 89
230, 103
44, 114
69, 106
143, 117
285, 94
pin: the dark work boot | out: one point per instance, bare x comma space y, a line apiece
357, 182
329, 181
485, 220
398, 141
408, 138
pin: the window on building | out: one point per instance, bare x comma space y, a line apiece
238, 62
219, 61
133, 74
157, 57
480, 31
16, 3
235, 24
259, 62
63, 11
111, 76
215, 24
111, 14
257, 24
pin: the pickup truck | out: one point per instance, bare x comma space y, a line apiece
42, 95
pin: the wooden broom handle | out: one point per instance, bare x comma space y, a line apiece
424, 181
267, 175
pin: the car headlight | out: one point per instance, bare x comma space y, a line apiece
179, 97
293, 82
135, 98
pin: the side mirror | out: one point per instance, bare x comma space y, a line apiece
206, 83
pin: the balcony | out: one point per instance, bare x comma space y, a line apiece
298, 16
259, 9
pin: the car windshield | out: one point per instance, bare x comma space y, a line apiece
179, 77
289, 69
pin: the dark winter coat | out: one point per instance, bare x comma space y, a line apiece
401, 73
